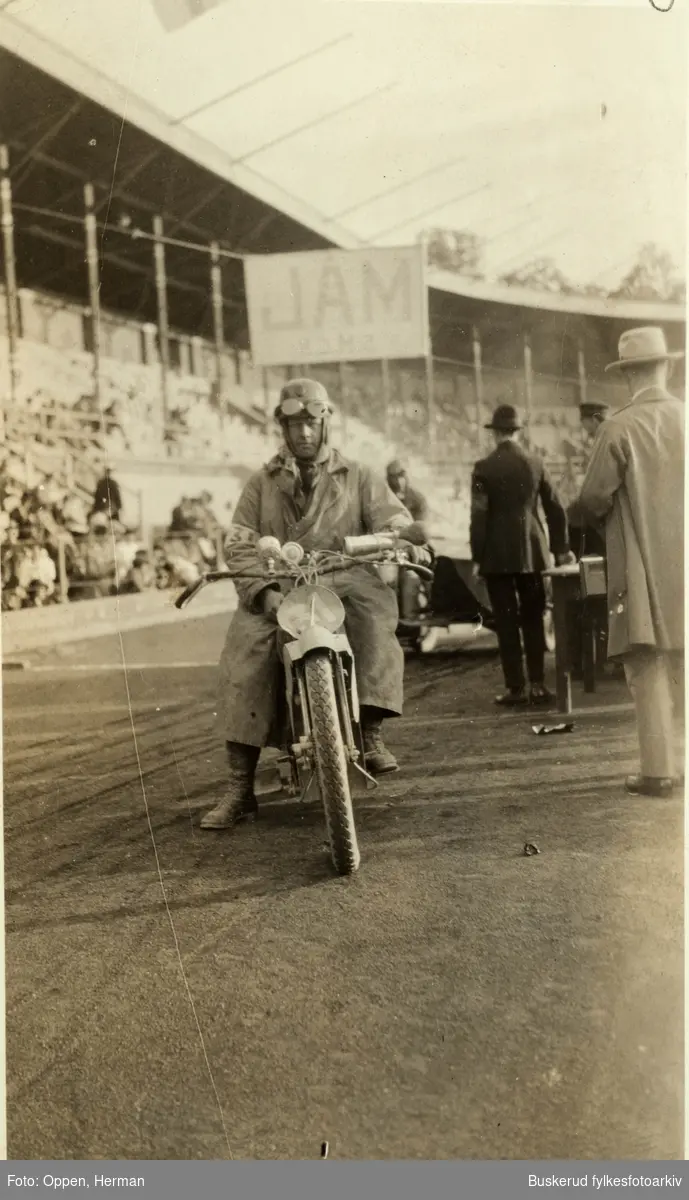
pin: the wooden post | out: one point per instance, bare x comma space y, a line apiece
478, 388
387, 396
431, 406
528, 379
163, 322
581, 365
63, 582
342, 376
11, 294
266, 400
218, 320
92, 266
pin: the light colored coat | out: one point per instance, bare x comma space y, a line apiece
635, 483
347, 500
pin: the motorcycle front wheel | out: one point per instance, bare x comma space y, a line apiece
331, 764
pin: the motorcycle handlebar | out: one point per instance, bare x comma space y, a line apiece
214, 576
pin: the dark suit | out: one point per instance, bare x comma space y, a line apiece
510, 545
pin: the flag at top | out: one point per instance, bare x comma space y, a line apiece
174, 14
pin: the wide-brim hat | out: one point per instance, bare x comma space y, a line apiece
641, 347
505, 419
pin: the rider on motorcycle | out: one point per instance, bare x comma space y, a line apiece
310, 494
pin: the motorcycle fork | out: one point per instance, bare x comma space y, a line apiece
301, 751
345, 703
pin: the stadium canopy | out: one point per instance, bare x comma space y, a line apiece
67, 124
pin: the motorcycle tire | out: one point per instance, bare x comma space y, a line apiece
331, 764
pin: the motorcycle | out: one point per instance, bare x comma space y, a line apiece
323, 751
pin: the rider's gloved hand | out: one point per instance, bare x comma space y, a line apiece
419, 555
270, 601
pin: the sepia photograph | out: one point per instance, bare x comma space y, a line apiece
342, 490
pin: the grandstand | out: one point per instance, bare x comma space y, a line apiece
152, 375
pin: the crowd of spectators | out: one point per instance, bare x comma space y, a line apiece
46, 526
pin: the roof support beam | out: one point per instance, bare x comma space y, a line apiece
123, 264
26, 164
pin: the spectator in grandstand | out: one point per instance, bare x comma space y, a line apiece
141, 575
91, 563
398, 482
107, 497
310, 494
635, 483
510, 551
179, 522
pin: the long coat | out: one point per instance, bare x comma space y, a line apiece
347, 500
506, 532
635, 482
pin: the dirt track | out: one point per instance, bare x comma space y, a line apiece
455, 1000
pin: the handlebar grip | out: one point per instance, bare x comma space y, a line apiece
369, 543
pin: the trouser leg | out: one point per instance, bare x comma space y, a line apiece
531, 594
649, 681
504, 603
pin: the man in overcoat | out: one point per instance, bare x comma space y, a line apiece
310, 494
635, 483
509, 548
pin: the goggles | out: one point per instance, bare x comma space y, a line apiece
293, 406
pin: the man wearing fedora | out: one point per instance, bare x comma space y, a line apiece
587, 538
635, 484
509, 547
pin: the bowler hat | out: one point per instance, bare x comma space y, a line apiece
639, 347
505, 419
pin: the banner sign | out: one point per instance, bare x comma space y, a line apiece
174, 14
328, 306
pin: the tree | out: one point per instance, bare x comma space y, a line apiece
542, 275
456, 250
654, 276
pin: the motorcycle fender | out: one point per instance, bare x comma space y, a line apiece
316, 638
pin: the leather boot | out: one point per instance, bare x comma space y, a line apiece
377, 758
239, 801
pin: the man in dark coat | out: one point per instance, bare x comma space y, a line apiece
585, 537
107, 497
509, 548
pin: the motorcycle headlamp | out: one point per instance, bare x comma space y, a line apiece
310, 607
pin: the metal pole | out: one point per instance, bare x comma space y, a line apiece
581, 365
528, 379
218, 320
92, 265
478, 388
163, 322
11, 295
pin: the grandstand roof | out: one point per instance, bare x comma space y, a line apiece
67, 123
